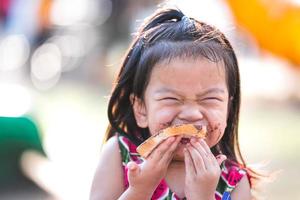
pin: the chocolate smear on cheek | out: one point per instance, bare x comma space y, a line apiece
213, 130
162, 126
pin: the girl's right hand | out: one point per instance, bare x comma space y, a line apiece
146, 177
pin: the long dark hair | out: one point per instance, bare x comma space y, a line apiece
166, 35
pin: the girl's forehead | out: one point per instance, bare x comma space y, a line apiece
191, 74
194, 67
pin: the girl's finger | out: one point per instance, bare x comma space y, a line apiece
168, 155
215, 160
189, 165
197, 158
205, 146
161, 149
208, 163
208, 151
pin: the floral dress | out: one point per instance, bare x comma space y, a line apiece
230, 176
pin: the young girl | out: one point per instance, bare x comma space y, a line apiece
177, 71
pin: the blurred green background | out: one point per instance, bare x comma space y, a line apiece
57, 63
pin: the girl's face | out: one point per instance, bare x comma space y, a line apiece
185, 91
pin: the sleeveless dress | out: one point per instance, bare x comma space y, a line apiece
231, 174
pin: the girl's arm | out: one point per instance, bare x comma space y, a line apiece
108, 181
242, 190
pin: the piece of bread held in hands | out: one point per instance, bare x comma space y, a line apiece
187, 130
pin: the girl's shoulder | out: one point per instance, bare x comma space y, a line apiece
111, 145
110, 149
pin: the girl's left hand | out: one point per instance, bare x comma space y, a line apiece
202, 170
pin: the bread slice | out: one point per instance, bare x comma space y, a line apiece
188, 130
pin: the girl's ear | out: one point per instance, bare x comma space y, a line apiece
140, 112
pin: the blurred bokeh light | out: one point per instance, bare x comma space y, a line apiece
14, 51
57, 63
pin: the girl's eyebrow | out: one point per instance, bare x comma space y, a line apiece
168, 90
211, 90
174, 91
165, 90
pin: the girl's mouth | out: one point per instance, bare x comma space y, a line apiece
185, 140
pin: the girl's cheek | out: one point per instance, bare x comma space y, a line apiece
215, 133
162, 119
217, 125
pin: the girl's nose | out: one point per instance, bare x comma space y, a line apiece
190, 113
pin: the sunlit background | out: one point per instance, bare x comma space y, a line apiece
57, 62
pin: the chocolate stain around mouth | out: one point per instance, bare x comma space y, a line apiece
161, 127
216, 127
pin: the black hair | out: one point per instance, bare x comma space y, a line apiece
166, 35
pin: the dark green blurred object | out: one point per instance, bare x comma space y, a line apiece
16, 136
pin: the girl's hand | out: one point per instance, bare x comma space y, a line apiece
146, 177
202, 171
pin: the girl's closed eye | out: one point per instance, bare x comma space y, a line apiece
169, 100
212, 99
